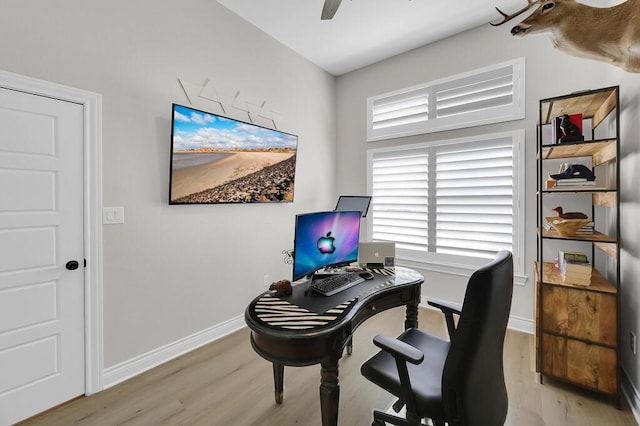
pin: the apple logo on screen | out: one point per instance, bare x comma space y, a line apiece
326, 244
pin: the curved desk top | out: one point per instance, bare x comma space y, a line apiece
307, 314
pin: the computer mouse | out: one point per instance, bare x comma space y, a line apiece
366, 275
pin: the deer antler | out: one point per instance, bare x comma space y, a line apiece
507, 18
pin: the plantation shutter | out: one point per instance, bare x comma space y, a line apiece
454, 199
401, 109
478, 92
474, 198
492, 94
400, 198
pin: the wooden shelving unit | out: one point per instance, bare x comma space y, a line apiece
577, 327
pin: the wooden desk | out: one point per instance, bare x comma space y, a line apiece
307, 328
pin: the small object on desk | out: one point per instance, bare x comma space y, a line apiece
366, 275
282, 288
333, 285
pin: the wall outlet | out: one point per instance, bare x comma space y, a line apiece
632, 342
266, 281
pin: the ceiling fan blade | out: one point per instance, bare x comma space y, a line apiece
329, 9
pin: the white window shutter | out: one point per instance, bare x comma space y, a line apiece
488, 95
401, 109
399, 185
482, 91
474, 199
452, 199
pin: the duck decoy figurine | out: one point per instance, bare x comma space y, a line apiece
569, 215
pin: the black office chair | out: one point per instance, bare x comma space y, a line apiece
458, 381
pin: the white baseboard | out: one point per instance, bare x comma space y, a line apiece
141, 363
524, 325
631, 393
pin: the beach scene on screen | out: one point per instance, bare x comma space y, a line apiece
216, 159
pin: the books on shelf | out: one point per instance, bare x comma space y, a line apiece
583, 281
574, 267
575, 182
586, 230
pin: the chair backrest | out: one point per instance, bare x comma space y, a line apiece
473, 387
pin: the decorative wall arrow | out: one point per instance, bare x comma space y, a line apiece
226, 101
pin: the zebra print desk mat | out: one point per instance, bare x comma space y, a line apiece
305, 310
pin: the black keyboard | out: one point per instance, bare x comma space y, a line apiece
332, 285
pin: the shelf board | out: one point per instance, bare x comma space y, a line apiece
551, 275
599, 197
602, 149
596, 237
605, 199
576, 189
593, 104
610, 249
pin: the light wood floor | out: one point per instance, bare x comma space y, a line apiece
226, 383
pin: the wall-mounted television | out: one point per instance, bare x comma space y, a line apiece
324, 239
216, 159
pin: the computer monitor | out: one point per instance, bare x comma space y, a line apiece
325, 239
358, 203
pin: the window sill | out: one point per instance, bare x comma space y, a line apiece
459, 269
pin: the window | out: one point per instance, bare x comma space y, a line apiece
453, 202
488, 95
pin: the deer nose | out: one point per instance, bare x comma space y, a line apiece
520, 29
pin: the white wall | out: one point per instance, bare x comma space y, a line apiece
171, 271
629, 214
548, 73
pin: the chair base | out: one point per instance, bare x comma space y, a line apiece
381, 419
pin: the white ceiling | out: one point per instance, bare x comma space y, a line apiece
365, 31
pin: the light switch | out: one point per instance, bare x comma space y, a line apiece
111, 215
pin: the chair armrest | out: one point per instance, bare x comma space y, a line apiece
445, 307
449, 311
398, 349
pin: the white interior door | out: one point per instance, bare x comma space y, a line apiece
41, 230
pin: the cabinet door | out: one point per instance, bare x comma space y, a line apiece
583, 314
585, 364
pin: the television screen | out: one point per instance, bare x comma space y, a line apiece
325, 239
354, 202
215, 159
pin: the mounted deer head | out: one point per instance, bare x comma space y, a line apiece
609, 34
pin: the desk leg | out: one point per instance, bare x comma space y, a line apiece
329, 393
411, 320
278, 381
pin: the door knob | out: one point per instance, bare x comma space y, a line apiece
72, 265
